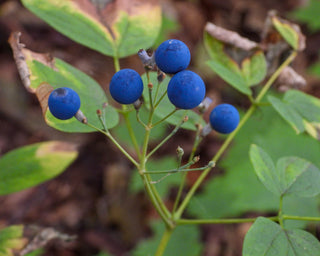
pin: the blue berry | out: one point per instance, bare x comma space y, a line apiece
224, 118
126, 86
186, 89
64, 103
172, 56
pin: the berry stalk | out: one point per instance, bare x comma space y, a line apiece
233, 134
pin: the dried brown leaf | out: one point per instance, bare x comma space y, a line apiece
230, 37
22, 55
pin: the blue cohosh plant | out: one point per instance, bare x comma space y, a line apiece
240, 62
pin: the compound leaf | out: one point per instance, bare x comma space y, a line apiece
238, 189
267, 238
234, 79
298, 177
254, 69
31, 165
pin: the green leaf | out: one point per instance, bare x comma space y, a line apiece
185, 240
265, 169
234, 79
119, 28
293, 175
298, 177
250, 71
267, 238
11, 238
309, 14
254, 69
163, 182
300, 110
306, 105
166, 107
288, 113
287, 32
31, 165
238, 190
91, 94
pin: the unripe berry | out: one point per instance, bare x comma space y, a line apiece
224, 118
126, 86
64, 103
172, 56
186, 90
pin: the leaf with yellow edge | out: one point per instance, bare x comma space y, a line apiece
290, 32
11, 239
115, 28
42, 73
31, 165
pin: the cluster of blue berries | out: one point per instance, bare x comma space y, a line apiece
186, 89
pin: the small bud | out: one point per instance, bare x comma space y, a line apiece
206, 130
196, 159
137, 104
81, 117
205, 104
180, 151
147, 61
211, 164
161, 76
150, 85
99, 112
185, 119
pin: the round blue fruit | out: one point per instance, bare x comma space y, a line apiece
64, 103
126, 86
172, 56
186, 90
224, 118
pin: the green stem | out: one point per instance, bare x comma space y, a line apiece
275, 76
166, 117
219, 221
131, 134
164, 241
280, 215
160, 99
108, 134
139, 119
174, 131
232, 135
116, 63
176, 170
150, 98
158, 203
157, 92
305, 218
197, 140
